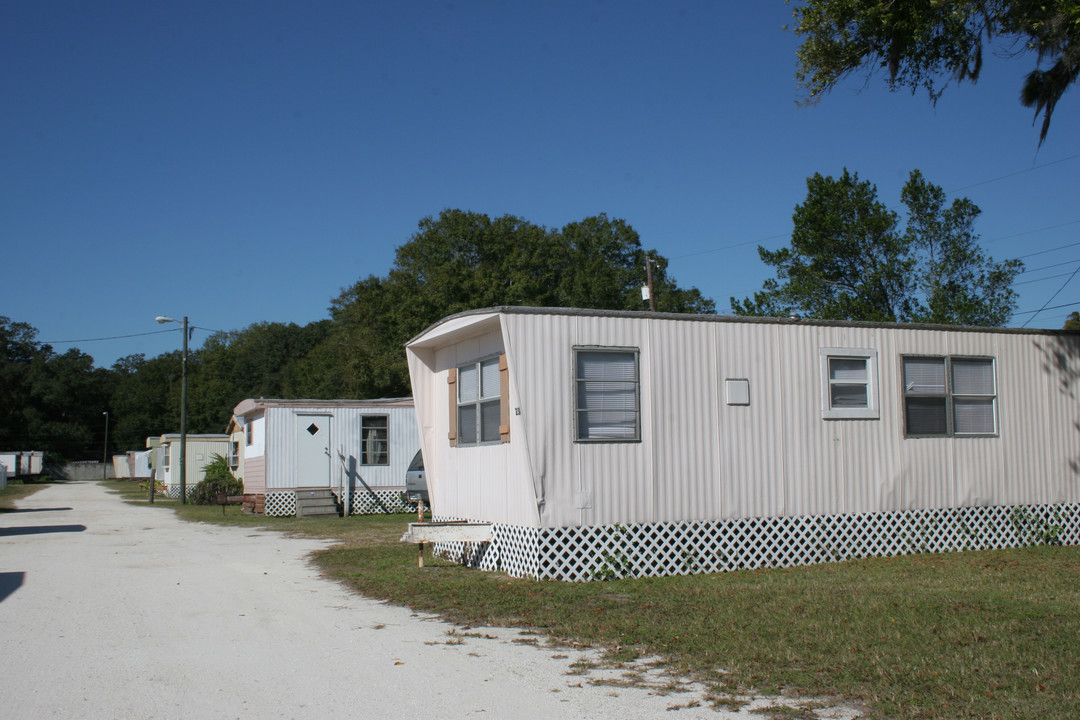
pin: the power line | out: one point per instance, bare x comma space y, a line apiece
1048, 277
1052, 296
114, 337
1032, 232
1043, 252
728, 247
121, 337
1014, 174
1052, 307
1026, 270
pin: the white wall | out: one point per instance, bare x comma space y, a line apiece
700, 458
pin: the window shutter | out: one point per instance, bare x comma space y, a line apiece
504, 400
451, 382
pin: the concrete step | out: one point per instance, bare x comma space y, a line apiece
316, 502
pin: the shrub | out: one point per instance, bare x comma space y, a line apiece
218, 480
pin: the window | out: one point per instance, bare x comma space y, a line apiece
374, 440
479, 395
234, 455
949, 396
606, 395
248, 434
848, 384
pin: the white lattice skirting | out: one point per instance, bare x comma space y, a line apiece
616, 551
377, 501
173, 491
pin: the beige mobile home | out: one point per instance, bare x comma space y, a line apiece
616, 443
200, 453
357, 449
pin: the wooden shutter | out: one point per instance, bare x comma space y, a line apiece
451, 382
504, 400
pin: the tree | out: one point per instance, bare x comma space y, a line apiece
919, 41
849, 260
1073, 321
258, 361
142, 403
48, 401
960, 285
464, 260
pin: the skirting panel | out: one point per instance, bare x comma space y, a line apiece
644, 550
281, 504
379, 501
364, 502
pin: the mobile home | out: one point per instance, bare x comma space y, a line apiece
618, 443
360, 450
200, 453
22, 463
121, 467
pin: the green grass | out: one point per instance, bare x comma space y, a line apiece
992, 634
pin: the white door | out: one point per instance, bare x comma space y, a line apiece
312, 450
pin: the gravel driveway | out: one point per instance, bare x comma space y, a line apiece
112, 610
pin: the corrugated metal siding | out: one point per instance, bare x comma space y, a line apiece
481, 481
683, 374
747, 443
618, 478
700, 458
345, 437
542, 374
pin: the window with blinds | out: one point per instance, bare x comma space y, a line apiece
848, 383
949, 396
374, 440
606, 395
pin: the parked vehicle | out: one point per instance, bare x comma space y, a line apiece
415, 482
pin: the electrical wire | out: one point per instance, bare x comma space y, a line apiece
114, 337
1052, 307
1052, 297
1014, 174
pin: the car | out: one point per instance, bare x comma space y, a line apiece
415, 482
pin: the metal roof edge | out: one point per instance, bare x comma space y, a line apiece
738, 319
252, 404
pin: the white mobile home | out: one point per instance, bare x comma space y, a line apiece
139, 467
358, 449
200, 453
600, 443
10, 462
22, 463
121, 467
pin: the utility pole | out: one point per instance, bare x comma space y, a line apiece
105, 452
648, 273
183, 420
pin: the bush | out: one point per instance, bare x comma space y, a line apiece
218, 480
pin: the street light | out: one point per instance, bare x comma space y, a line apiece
105, 452
162, 319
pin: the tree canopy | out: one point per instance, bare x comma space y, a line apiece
849, 259
464, 260
456, 261
927, 43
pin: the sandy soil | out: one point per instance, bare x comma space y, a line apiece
111, 610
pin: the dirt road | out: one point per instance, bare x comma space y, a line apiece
111, 610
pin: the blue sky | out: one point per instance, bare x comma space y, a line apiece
240, 162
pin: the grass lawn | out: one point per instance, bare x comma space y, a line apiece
991, 634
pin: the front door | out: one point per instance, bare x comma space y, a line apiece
312, 450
